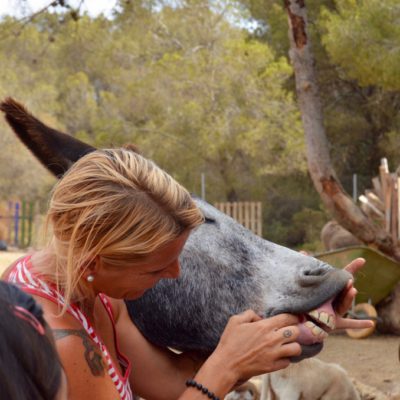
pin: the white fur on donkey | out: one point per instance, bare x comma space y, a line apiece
311, 379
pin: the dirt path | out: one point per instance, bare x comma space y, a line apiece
374, 361
7, 257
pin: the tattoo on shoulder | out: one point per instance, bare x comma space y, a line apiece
92, 354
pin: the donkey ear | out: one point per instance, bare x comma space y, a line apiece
57, 151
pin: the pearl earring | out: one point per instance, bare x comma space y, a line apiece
90, 278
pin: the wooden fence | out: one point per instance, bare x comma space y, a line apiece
247, 213
17, 223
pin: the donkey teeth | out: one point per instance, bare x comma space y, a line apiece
324, 317
316, 330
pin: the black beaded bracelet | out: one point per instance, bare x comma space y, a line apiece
204, 390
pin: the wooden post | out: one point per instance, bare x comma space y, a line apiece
23, 221
16, 223
386, 191
30, 222
9, 221
398, 209
376, 184
235, 210
259, 219
246, 214
253, 216
394, 208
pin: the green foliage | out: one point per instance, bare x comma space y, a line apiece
199, 94
355, 44
193, 92
292, 212
363, 37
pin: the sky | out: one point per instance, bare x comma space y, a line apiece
93, 7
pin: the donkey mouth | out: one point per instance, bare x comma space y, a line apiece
314, 327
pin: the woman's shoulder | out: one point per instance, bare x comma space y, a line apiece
53, 316
118, 308
83, 361
7, 271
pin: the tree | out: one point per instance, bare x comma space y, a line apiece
363, 37
325, 181
193, 91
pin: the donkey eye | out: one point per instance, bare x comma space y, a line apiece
209, 220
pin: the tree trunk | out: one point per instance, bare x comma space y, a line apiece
337, 201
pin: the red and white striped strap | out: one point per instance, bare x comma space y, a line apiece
22, 276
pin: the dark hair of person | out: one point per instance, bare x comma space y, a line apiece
29, 365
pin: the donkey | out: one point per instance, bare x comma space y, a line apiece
225, 268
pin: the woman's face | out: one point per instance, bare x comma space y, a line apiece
131, 282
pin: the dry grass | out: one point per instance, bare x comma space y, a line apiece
7, 257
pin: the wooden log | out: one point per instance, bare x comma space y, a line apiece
376, 184
386, 190
398, 208
375, 200
388, 204
385, 164
371, 206
394, 216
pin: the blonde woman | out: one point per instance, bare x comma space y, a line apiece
118, 225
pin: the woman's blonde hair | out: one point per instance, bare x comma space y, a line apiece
114, 204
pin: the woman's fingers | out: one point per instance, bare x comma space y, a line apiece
255, 346
283, 320
288, 334
346, 299
349, 293
349, 323
246, 316
290, 350
282, 363
355, 265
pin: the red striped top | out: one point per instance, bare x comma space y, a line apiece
22, 276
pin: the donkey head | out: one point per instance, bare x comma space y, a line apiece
225, 269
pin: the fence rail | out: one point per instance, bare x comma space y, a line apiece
16, 223
247, 213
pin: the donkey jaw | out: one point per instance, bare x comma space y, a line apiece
308, 351
323, 316
314, 327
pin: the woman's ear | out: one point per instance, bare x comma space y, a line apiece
92, 268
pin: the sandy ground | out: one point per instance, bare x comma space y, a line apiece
374, 360
7, 257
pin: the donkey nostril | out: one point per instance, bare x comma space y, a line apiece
313, 275
315, 272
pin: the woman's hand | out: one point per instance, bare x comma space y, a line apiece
346, 300
252, 346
